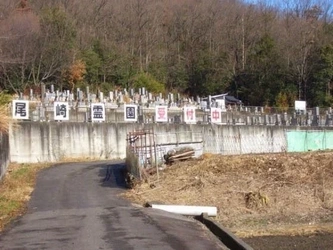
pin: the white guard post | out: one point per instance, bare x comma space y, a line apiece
187, 210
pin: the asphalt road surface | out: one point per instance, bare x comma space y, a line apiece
77, 206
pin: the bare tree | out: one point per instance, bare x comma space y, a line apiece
18, 33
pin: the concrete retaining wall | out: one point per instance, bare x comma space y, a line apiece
232, 139
4, 154
52, 141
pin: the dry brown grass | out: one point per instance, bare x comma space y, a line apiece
5, 119
254, 194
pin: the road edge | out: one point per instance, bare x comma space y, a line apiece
225, 236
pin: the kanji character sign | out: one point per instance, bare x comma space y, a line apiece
97, 112
20, 109
61, 111
215, 115
189, 115
161, 113
130, 112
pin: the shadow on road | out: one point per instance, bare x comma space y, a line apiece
113, 175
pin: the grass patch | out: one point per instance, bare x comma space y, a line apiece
15, 190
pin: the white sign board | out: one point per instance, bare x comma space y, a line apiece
20, 109
130, 113
97, 112
161, 113
221, 104
61, 111
189, 115
300, 105
215, 115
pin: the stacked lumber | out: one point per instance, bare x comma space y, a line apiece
179, 154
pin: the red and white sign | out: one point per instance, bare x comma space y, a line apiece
215, 115
161, 113
189, 115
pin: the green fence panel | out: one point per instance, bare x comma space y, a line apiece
302, 141
296, 141
314, 141
329, 139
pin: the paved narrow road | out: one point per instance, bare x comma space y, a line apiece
77, 206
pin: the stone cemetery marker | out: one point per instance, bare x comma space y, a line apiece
111, 96
93, 97
80, 95
121, 98
71, 97
20, 109
101, 96
171, 98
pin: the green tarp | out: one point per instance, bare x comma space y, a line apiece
302, 141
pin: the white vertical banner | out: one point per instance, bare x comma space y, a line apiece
161, 113
97, 112
130, 113
61, 111
20, 109
215, 115
189, 115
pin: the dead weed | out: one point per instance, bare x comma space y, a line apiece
268, 189
15, 190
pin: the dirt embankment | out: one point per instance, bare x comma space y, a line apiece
271, 194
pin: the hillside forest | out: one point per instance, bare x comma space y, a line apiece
262, 54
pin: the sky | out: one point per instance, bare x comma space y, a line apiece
326, 5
